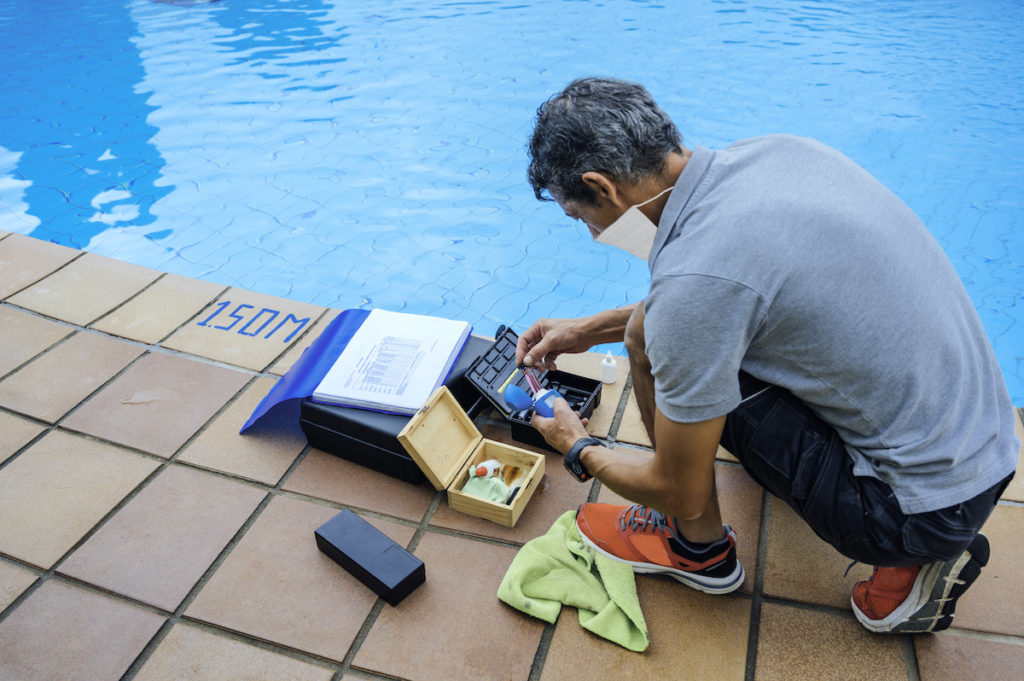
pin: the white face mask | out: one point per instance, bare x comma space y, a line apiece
633, 232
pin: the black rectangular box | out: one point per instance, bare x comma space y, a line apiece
496, 368
370, 556
370, 438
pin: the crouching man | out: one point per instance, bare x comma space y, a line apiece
800, 315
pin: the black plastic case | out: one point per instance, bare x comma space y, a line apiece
371, 556
496, 368
370, 438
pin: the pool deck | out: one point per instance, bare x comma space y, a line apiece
142, 538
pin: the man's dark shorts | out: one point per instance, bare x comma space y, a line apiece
800, 459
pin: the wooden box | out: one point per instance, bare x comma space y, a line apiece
444, 442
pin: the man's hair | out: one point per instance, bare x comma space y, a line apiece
598, 124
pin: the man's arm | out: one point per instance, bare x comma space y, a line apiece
678, 481
548, 338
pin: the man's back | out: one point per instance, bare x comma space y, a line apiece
781, 257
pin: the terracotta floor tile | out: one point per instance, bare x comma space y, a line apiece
277, 586
557, 493
246, 329
153, 314
157, 547
796, 643
330, 477
85, 289
692, 636
949, 657
13, 581
158, 403
281, 366
801, 567
994, 601
15, 433
453, 626
588, 364
53, 494
24, 261
24, 335
68, 633
192, 653
1015, 490
631, 428
739, 499
264, 453
70, 372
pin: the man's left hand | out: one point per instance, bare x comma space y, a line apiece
563, 429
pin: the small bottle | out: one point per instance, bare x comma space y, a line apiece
608, 372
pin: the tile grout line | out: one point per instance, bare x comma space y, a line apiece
757, 597
179, 613
29, 285
378, 606
909, 657
620, 409
541, 656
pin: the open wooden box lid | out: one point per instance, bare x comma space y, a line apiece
440, 438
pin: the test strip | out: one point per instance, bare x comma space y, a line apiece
508, 380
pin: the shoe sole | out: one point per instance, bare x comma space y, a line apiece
709, 585
932, 601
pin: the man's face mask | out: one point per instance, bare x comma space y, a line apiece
633, 232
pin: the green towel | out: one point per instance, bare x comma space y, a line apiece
558, 568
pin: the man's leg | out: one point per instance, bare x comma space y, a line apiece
648, 540
928, 560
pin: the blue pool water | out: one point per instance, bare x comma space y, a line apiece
356, 154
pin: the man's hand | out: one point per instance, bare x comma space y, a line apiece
543, 342
548, 338
563, 429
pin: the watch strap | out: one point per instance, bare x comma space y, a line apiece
572, 462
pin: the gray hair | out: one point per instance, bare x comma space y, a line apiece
598, 124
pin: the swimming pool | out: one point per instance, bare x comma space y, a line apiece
373, 154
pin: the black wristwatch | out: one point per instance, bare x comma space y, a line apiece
572, 462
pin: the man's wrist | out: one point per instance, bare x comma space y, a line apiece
572, 461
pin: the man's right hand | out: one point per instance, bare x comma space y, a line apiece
543, 342
548, 338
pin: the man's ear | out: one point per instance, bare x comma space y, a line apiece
603, 186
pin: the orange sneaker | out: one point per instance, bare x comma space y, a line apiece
918, 599
649, 542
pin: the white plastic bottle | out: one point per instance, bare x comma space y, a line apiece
608, 372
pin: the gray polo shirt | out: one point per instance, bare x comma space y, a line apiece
782, 257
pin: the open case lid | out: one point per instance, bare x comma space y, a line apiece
440, 438
496, 368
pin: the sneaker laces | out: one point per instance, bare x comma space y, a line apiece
645, 519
